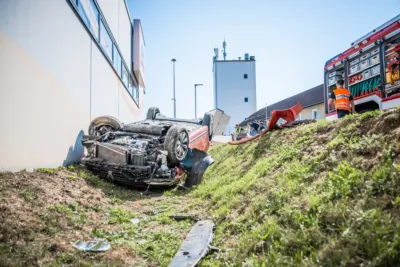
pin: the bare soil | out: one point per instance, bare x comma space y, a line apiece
43, 213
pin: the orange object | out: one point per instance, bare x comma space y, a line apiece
342, 99
288, 115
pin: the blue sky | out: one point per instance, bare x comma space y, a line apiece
291, 41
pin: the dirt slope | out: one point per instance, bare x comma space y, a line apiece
43, 213
325, 194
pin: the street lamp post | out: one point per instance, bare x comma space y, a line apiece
195, 98
173, 74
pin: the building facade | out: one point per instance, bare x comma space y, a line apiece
64, 63
312, 101
235, 89
314, 112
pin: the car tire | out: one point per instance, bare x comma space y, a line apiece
108, 121
176, 143
152, 113
207, 121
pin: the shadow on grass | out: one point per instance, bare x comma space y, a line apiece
224, 157
114, 190
237, 150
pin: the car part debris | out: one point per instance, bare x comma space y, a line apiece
195, 246
98, 245
135, 221
154, 212
195, 164
184, 217
154, 152
213, 248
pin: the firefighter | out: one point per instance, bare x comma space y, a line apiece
344, 102
238, 130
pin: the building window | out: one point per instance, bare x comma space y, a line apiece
96, 24
298, 117
246, 99
125, 76
314, 114
133, 90
245, 76
117, 61
90, 14
130, 85
136, 94
105, 40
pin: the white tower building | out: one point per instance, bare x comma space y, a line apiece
235, 87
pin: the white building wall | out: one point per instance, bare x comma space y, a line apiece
125, 34
53, 81
110, 9
104, 86
231, 89
118, 20
126, 111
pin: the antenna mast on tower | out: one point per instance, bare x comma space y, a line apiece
224, 46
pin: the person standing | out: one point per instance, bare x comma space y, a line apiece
248, 130
262, 127
255, 125
344, 102
238, 129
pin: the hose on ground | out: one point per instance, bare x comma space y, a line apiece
239, 142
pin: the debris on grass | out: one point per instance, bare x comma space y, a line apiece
92, 246
135, 221
184, 217
195, 246
323, 194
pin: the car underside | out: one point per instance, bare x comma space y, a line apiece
155, 152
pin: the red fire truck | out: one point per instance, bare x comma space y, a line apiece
370, 69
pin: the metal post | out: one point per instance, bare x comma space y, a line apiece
173, 74
327, 111
346, 74
195, 99
382, 68
266, 115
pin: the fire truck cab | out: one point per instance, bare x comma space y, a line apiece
370, 70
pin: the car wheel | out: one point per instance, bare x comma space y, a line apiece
103, 124
176, 143
207, 121
152, 113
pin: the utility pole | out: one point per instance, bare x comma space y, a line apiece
195, 99
224, 46
173, 74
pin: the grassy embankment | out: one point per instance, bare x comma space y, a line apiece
324, 194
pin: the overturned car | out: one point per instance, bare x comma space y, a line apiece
155, 152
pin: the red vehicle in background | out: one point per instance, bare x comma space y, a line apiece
370, 69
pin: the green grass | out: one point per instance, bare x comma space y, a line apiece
27, 195
323, 194
120, 215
